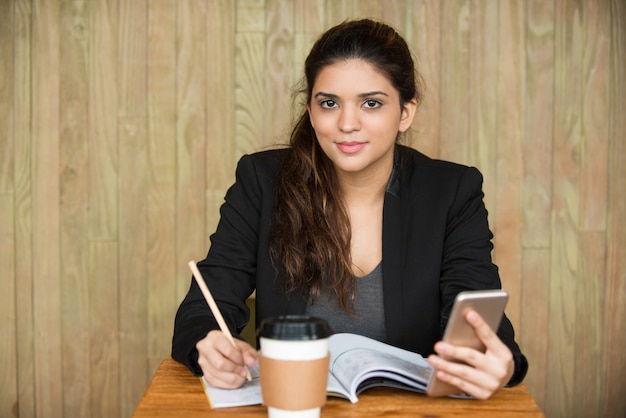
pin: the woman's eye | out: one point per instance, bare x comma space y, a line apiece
372, 104
328, 104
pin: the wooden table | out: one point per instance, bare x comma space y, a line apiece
175, 392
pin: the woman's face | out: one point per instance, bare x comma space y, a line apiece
356, 114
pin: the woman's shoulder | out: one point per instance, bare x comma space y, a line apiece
266, 156
416, 167
267, 160
414, 160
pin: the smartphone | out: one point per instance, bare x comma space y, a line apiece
489, 304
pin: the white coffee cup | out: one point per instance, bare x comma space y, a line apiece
293, 365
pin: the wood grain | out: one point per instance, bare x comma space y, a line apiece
8, 312
46, 229
534, 326
425, 40
565, 268
74, 209
595, 107
191, 131
8, 325
103, 246
454, 88
23, 206
102, 122
219, 172
133, 261
276, 71
615, 288
132, 206
132, 50
592, 221
538, 143
537, 193
161, 266
6, 97
483, 105
589, 324
509, 147
104, 322
249, 92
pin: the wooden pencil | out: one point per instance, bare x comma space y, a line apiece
213, 306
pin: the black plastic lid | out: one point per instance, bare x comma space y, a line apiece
294, 328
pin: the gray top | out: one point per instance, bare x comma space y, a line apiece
368, 305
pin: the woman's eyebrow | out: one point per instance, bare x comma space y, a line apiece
361, 95
373, 93
326, 95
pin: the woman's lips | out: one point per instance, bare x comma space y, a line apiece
350, 147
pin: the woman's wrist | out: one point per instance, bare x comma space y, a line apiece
521, 368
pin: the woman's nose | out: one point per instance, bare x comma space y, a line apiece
349, 120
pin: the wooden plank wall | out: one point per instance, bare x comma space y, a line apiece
121, 122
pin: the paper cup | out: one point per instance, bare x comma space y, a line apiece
293, 365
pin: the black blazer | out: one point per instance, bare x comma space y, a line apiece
436, 243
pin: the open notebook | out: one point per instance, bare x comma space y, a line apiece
357, 363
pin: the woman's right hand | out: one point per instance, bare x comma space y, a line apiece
223, 365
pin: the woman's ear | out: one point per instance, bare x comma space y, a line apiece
408, 113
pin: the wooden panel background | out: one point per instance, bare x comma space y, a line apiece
121, 122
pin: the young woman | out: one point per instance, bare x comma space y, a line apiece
348, 225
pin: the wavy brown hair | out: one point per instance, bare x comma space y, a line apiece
310, 232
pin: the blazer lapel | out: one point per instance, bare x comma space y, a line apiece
393, 259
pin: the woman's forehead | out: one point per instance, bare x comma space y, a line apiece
352, 75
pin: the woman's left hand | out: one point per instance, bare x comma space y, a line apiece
475, 373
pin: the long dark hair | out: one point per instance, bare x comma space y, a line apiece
310, 235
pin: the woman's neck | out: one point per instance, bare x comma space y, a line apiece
364, 188
364, 198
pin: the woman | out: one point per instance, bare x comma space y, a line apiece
349, 225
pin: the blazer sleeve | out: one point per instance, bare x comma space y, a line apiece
467, 263
229, 269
